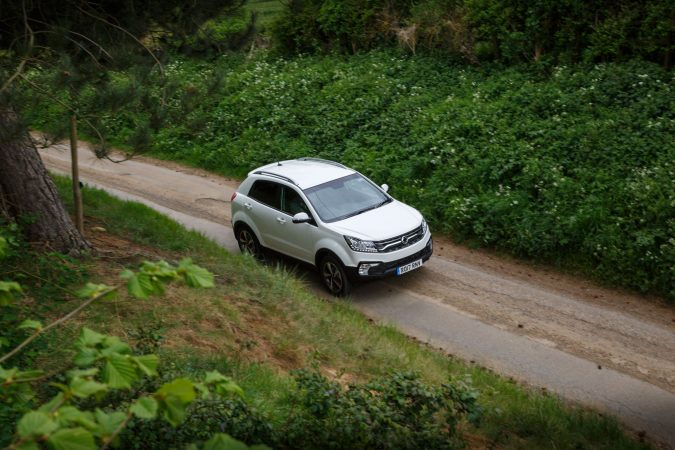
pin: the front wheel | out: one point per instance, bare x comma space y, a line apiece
334, 276
248, 242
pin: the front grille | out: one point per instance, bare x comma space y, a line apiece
402, 241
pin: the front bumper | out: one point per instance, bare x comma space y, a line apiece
382, 269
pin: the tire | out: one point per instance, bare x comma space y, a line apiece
248, 242
334, 276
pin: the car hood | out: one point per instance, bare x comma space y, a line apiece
387, 221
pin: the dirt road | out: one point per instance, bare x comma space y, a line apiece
606, 348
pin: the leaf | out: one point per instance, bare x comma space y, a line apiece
29, 445
203, 391
174, 410
108, 422
144, 408
86, 357
223, 385
91, 290
6, 374
36, 423
194, 275
70, 415
89, 338
182, 388
147, 363
7, 291
221, 441
72, 439
84, 388
119, 372
28, 374
31, 324
174, 397
134, 285
52, 404
214, 376
113, 344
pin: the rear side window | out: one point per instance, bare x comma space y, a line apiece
266, 192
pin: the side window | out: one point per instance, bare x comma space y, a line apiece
293, 203
267, 192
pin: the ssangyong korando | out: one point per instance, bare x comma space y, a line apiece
331, 217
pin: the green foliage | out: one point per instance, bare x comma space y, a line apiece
398, 411
567, 165
510, 31
104, 363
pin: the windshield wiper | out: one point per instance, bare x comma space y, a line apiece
361, 211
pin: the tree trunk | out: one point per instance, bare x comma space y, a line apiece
26, 190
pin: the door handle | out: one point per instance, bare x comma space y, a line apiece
281, 220
248, 205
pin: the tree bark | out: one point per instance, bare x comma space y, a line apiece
27, 191
75, 176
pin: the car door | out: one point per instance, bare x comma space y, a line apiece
296, 239
265, 209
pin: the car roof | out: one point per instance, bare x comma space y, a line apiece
305, 172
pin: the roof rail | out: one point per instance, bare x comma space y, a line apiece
325, 161
275, 175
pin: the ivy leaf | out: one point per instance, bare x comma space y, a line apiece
144, 408
7, 291
35, 423
72, 439
31, 324
84, 388
119, 372
147, 363
194, 275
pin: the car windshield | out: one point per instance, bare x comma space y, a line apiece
345, 197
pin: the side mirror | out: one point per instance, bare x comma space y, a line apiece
301, 217
385, 187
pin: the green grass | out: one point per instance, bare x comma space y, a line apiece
259, 323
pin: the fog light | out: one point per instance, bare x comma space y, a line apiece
364, 268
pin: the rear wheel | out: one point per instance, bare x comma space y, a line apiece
334, 276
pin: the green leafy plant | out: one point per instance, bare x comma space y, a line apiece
102, 364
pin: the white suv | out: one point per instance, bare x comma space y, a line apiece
332, 217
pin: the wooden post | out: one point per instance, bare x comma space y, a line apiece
77, 193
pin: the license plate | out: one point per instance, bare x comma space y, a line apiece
408, 267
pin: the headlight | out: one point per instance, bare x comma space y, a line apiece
361, 246
425, 227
